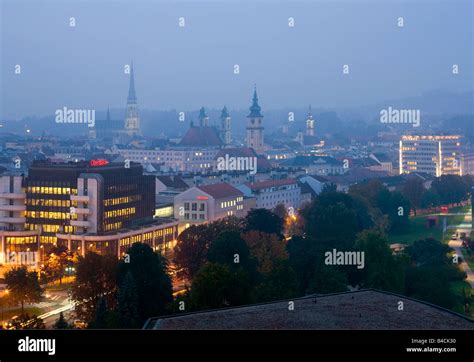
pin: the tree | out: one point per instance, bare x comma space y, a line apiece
382, 270
23, 286
61, 322
53, 268
413, 190
153, 284
101, 314
128, 302
230, 249
190, 252
396, 207
95, 279
368, 190
428, 252
450, 188
302, 258
217, 286
429, 198
327, 279
263, 220
267, 249
280, 211
280, 283
65, 259
428, 284
334, 219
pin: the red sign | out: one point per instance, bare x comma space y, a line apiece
202, 198
95, 163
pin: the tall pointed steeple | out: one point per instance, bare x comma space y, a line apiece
132, 97
255, 108
132, 118
107, 118
255, 125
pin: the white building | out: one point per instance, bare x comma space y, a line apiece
208, 203
270, 193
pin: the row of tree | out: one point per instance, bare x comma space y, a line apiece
447, 189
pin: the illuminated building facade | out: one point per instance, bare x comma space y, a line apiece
208, 203
435, 155
96, 205
270, 193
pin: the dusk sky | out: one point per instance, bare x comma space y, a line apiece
184, 68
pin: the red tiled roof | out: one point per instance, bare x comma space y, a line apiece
201, 136
270, 183
221, 190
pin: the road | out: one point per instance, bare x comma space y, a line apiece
465, 227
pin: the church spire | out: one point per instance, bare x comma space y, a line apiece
255, 108
203, 118
224, 113
107, 118
132, 97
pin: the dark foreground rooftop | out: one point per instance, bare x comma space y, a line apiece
366, 309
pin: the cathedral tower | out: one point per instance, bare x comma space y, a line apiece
255, 126
225, 126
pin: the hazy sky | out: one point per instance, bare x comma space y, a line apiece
184, 68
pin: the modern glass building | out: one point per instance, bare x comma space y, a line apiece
90, 205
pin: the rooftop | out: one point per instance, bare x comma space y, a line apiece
220, 190
366, 309
201, 136
270, 183
174, 182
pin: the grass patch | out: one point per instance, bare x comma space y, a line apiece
457, 288
414, 231
417, 229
